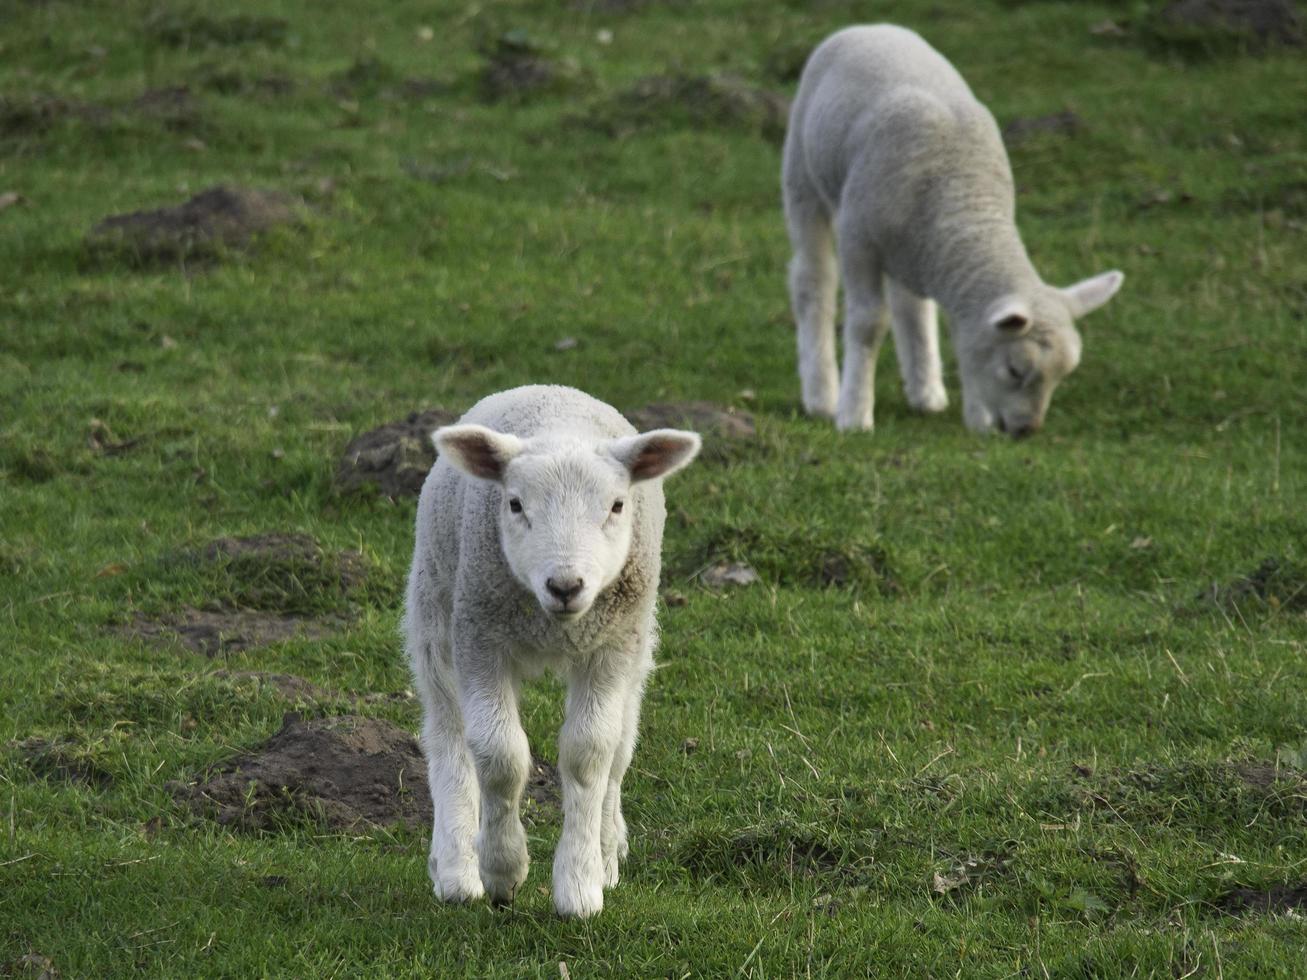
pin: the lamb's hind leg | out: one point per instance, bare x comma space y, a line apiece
865, 328
452, 863
916, 341
813, 282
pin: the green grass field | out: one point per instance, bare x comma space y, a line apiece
1020, 734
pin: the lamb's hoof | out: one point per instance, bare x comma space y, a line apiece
929, 402
575, 902
820, 405
854, 422
459, 890
612, 870
502, 889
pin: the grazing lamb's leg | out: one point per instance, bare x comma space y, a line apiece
597, 699
502, 758
613, 843
813, 282
916, 341
454, 795
865, 327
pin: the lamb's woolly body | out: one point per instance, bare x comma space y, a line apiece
474, 630
889, 149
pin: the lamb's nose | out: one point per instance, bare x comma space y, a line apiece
1024, 430
564, 589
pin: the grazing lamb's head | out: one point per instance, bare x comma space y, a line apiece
565, 515
1012, 360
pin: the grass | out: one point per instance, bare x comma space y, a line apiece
1017, 733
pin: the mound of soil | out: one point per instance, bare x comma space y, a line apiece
1279, 898
699, 100
394, 458
59, 760
1274, 583
724, 429
1064, 123
214, 220
177, 30
34, 113
517, 68
347, 772
220, 632
1262, 22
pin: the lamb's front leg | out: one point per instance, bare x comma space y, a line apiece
916, 340
613, 842
502, 759
587, 746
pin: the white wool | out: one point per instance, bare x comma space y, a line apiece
890, 154
539, 532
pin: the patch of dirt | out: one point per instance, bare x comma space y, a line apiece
728, 573
763, 852
971, 872
185, 30
35, 113
1198, 28
347, 773
174, 107
1274, 584
725, 430
719, 100
1278, 898
517, 68
212, 221
394, 458
32, 966
542, 783
60, 760
220, 632
1064, 123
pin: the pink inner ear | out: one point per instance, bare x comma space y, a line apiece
652, 459
479, 456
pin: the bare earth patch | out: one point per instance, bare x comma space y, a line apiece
60, 760
717, 100
1263, 21
1278, 898
212, 221
218, 632
347, 773
395, 458
517, 67
1274, 584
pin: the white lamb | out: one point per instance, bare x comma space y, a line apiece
888, 148
539, 533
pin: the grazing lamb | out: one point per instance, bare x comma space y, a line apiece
888, 148
539, 533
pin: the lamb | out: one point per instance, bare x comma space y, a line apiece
538, 545
890, 154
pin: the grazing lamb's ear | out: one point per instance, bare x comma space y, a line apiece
1089, 294
657, 453
476, 450
1011, 315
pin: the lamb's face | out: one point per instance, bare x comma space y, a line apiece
565, 508
1018, 352
565, 525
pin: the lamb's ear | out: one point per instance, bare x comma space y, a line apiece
1089, 294
1010, 315
476, 450
657, 453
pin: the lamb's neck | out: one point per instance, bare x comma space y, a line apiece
979, 259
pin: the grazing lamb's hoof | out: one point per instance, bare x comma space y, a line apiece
459, 890
853, 421
930, 401
575, 901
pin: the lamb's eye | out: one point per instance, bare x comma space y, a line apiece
515, 505
1015, 374
617, 506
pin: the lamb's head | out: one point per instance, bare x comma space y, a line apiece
565, 513
1022, 347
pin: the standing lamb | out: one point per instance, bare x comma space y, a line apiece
888, 148
539, 532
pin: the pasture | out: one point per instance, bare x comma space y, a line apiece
989, 709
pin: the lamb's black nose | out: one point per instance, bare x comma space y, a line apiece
564, 590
